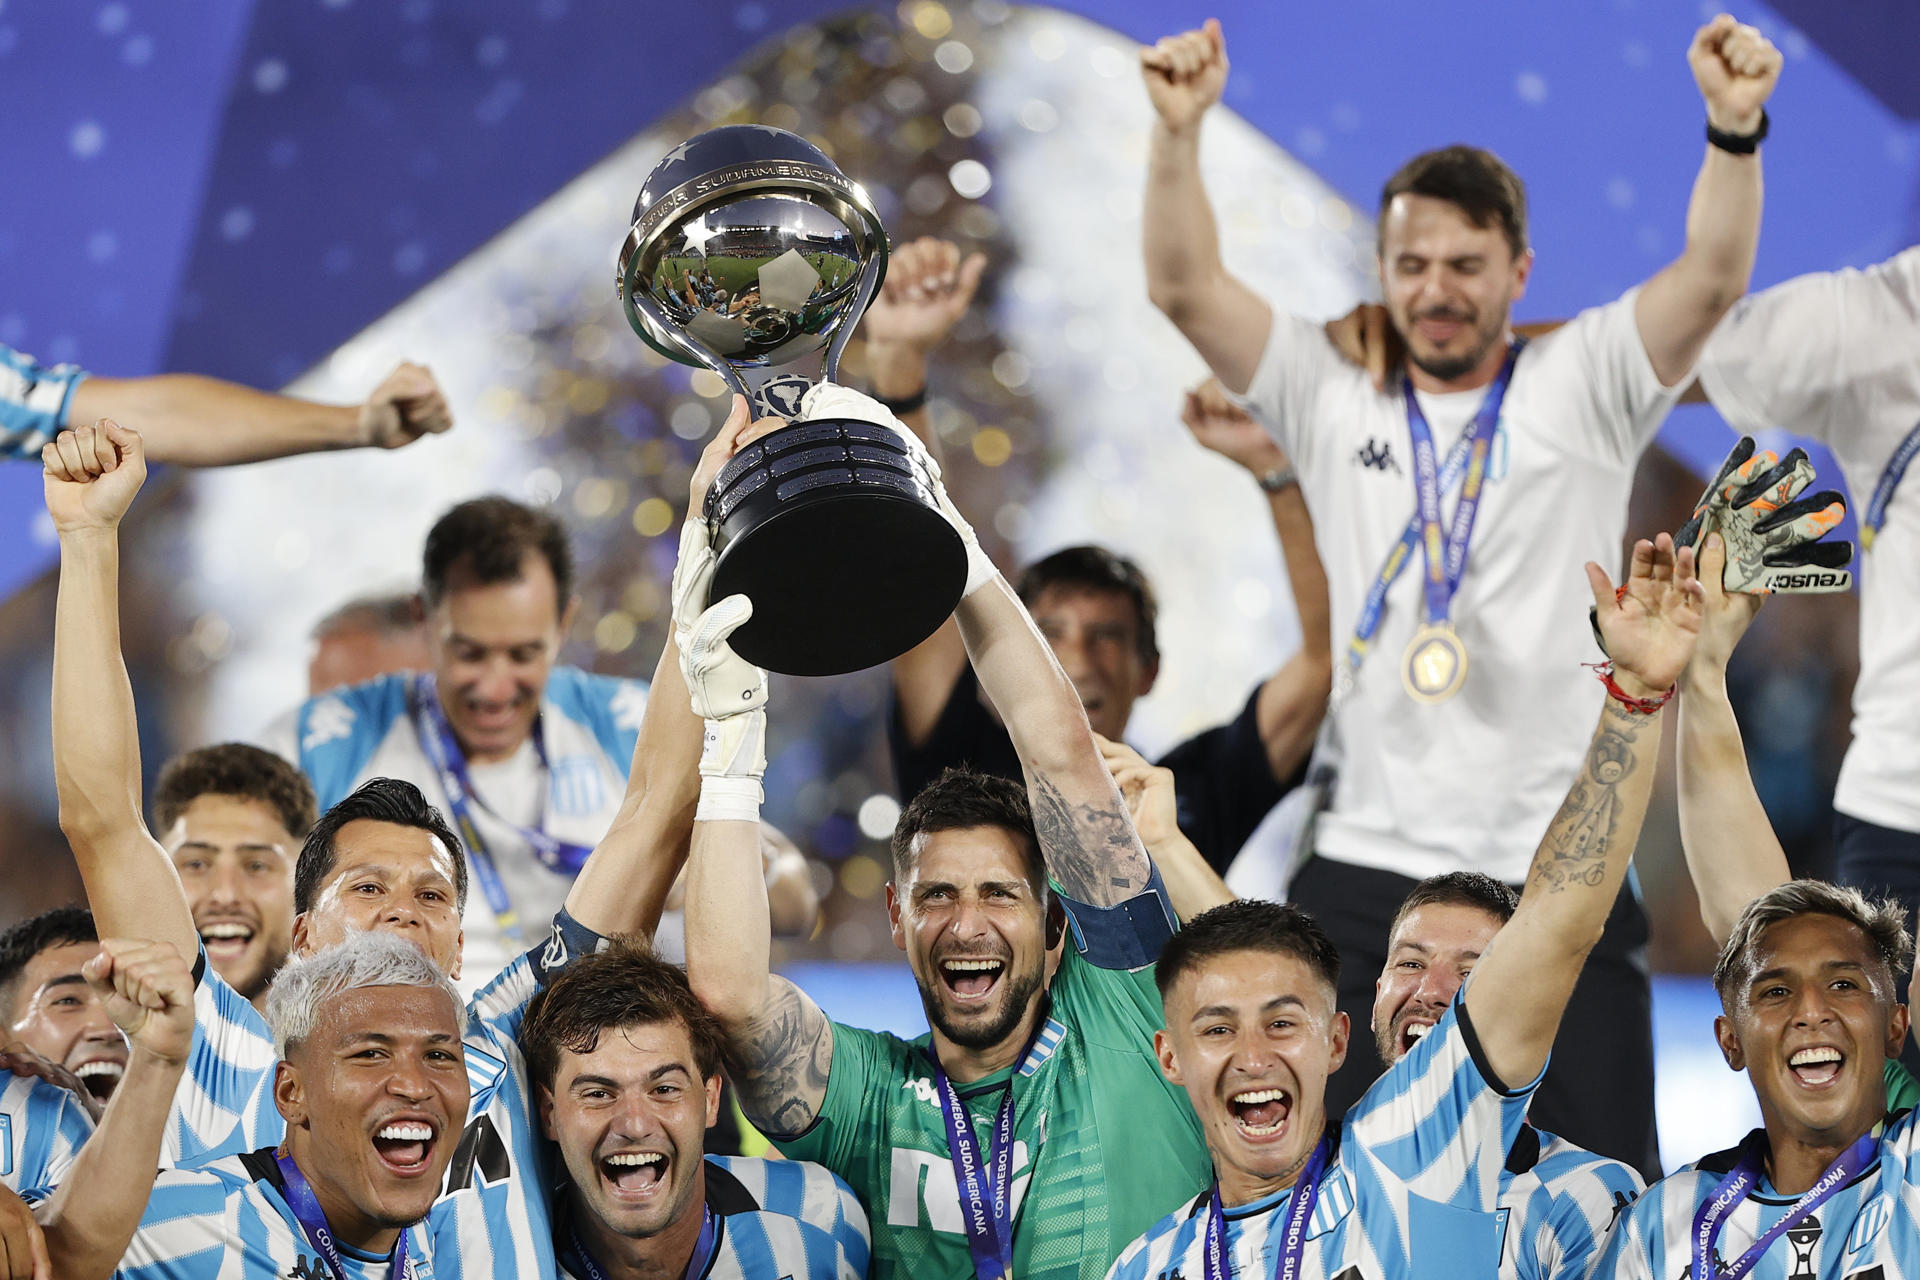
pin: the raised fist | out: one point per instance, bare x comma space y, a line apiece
1217, 423
1736, 68
406, 405
91, 474
147, 988
1185, 74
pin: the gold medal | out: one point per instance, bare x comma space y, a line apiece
1435, 665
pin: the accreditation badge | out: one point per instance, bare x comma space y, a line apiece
1435, 665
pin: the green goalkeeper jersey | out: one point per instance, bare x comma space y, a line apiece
1103, 1145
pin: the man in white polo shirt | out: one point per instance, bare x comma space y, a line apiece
1456, 726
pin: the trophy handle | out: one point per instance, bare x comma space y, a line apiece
870, 273
708, 358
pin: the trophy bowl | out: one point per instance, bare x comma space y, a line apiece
750, 251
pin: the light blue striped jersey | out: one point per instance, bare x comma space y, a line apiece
778, 1220
1557, 1204
33, 402
227, 1219
1418, 1166
500, 1155
589, 724
1869, 1230
41, 1128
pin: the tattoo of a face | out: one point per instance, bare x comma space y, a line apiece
1091, 850
780, 1061
1575, 851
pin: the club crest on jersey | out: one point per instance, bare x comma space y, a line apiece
1869, 1222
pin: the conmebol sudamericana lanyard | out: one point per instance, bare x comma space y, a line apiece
985, 1179
1876, 512
313, 1221
1293, 1244
1710, 1217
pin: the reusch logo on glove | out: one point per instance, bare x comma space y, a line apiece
1808, 581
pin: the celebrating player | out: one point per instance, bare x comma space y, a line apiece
625, 1064
1253, 1030
990, 1148
1457, 738
383, 860
50, 1010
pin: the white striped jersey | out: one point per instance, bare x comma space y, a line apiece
1868, 1230
1557, 1204
227, 1219
33, 402
1419, 1165
785, 1219
230, 1080
41, 1128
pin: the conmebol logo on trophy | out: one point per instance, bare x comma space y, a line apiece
751, 254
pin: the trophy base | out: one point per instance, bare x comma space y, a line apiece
832, 530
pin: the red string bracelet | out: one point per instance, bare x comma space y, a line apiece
1634, 706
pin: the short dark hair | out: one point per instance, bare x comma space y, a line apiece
59, 927
390, 613
1459, 889
959, 799
242, 771
488, 538
1248, 924
1883, 922
624, 985
377, 800
1472, 179
1091, 568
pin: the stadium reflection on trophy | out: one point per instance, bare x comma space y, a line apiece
751, 253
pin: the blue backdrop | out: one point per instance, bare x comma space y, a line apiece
235, 188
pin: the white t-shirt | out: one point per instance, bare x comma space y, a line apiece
1836, 357
1474, 782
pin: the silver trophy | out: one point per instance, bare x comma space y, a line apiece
750, 254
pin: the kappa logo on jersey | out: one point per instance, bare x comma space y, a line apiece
481, 1159
307, 1269
1621, 1203
330, 720
1377, 455
922, 1190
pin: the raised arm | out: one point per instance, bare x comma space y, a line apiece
1226, 321
1736, 68
91, 476
779, 1043
204, 422
1732, 852
929, 287
90, 1219
1293, 700
1192, 885
1520, 988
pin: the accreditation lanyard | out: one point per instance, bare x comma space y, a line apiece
1710, 1217
313, 1221
696, 1266
1293, 1245
1445, 562
985, 1178
443, 752
1876, 513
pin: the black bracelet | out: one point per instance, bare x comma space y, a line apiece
907, 404
1739, 144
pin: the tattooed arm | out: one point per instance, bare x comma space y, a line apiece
1085, 833
1521, 985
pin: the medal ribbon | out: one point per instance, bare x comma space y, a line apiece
1293, 1245
985, 1178
1876, 513
313, 1221
696, 1266
1710, 1217
443, 752
1436, 481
